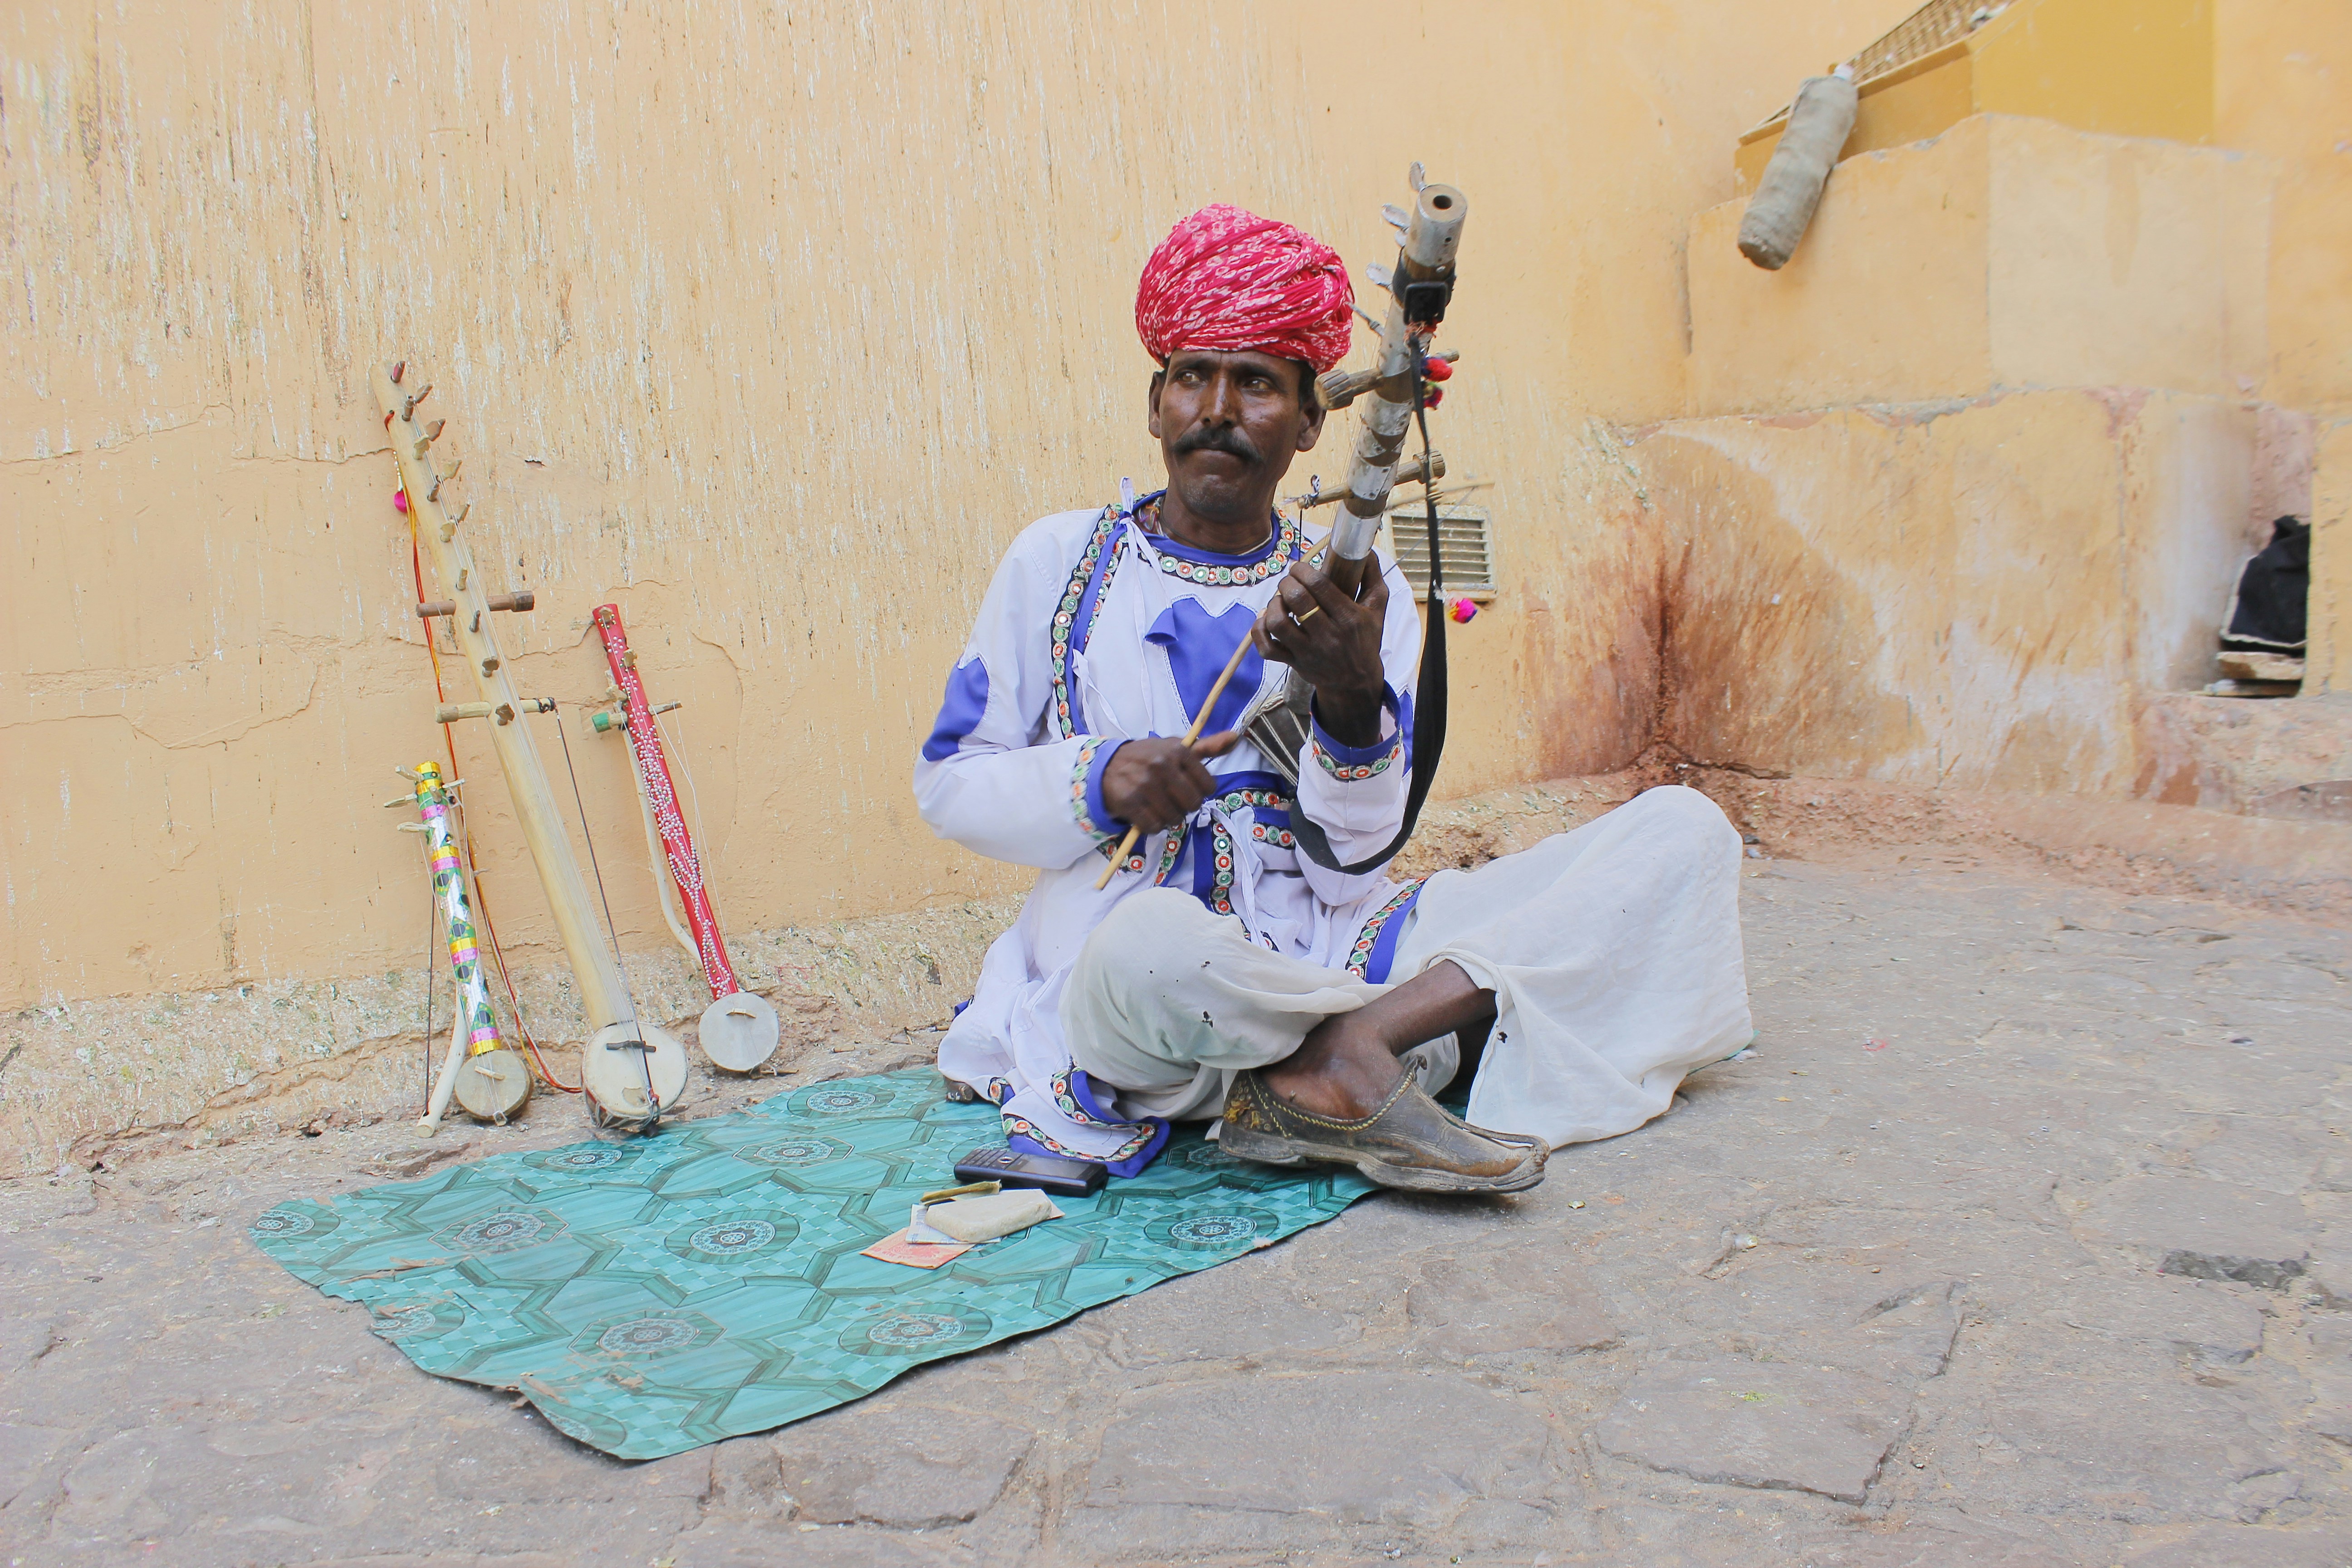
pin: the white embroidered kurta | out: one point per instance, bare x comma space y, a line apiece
1613, 951
1093, 632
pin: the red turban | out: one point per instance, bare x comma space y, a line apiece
1228, 280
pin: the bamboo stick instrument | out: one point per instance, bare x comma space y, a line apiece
487, 1079
604, 990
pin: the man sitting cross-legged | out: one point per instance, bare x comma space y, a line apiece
1224, 972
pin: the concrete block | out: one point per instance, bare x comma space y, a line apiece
2327, 660
1356, 1447
2206, 1230
909, 1467
2005, 253
1773, 1426
2207, 1321
1971, 595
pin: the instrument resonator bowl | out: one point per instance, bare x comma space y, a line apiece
739, 1031
616, 1083
493, 1085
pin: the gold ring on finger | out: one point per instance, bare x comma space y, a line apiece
1311, 611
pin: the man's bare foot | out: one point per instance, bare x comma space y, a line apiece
1343, 1068
1347, 1065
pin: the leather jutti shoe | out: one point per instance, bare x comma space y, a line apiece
1410, 1141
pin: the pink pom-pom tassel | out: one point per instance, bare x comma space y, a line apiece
1462, 613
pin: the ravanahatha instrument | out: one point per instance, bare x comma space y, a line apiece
632, 1072
1394, 394
738, 1028
487, 1079
1420, 286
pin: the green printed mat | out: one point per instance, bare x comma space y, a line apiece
656, 1295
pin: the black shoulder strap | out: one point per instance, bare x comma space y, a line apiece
1428, 704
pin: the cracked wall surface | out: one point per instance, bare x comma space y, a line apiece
772, 325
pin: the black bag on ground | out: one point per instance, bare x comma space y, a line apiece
2269, 615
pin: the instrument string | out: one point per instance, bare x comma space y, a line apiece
1428, 492
482, 901
644, 1056
611, 930
473, 864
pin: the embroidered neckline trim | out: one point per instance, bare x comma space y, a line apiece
1211, 570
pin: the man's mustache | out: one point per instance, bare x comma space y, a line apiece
1227, 439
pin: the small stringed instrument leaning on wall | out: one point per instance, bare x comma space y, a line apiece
740, 1028
631, 1071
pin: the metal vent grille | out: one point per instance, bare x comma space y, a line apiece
1465, 538
1934, 25
1923, 32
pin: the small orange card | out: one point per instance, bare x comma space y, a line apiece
896, 1248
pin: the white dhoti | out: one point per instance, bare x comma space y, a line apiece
1613, 952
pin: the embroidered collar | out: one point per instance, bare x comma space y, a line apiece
1207, 566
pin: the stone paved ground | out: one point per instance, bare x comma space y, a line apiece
2024, 1238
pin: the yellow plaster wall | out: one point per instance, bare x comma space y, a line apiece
2268, 76
2284, 88
2327, 660
2005, 253
2126, 67
773, 323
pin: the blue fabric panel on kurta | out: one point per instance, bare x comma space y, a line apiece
656, 1295
1198, 644
960, 709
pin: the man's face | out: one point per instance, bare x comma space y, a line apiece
1228, 426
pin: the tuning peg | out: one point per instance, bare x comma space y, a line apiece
1416, 177
412, 828
432, 431
399, 369
1396, 214
400, 800
408, 409
1378, 274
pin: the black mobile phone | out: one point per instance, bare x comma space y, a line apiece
1047, 1173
